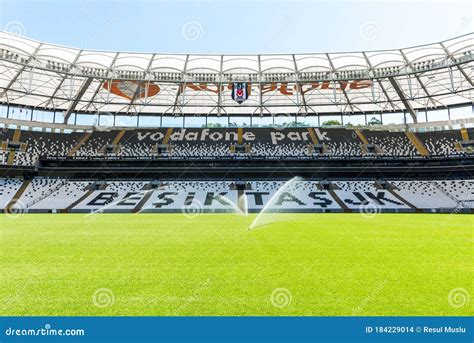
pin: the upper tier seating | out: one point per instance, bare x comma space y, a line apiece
94, 145
284, 150
391, 143
215, 143
4, 157
441, 143
342, 143
45, 144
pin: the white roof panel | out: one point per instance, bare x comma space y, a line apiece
50, 76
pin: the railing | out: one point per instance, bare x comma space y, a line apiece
55, 189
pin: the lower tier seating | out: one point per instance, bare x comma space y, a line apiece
48, 194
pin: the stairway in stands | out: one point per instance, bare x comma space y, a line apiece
11, 155
84, 139
417, 143
11, 205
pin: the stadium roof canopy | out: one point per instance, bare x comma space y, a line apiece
40, 75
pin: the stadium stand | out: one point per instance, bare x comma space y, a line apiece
461, 191
87, 159
62, 198
52, 195
112, 196
442, 143
40, 188
3, 157
214, 143
343, 143
264, 143
141, 143
97, 144
45, 144
424, 194
358, 195
391, 143
8, 189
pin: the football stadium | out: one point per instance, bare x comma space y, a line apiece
318, 184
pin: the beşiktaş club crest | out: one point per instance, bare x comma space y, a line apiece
240, 92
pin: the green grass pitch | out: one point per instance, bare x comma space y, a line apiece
169, 264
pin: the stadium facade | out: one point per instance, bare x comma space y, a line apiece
87, 131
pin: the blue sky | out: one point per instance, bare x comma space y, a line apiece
244, 26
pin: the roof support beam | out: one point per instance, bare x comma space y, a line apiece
395, 108
299, 88
371, 68
62, 81
101, 83
260, 85
137, 91
219, 93
343, 90
407, 63
181, 86
404, 100
450, 57
22, 69
463, 72
78, 97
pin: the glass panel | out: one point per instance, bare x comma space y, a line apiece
239, 121
284, 120
195, 121
86, 119
421, 117
20, 113
43, 116
437, 115
374, 119
60, 118
173, 121
393, 118
311, 121
353, 120
125, 121
461, 112
331, 121
146, 121
3, 111
217, 122
262, 121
